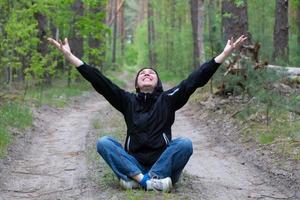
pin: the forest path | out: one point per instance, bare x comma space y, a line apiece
54, 165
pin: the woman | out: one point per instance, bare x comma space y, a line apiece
151, 159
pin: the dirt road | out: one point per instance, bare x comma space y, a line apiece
53, 165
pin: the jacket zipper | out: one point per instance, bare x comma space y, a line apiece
128, 143
166, 139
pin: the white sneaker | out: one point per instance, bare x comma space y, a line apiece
164, 184
129, 185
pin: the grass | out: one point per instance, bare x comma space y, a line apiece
5, 138
13, 116
58, 95
15, 111
283, 129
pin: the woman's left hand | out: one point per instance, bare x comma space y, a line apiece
231, 45
229, 48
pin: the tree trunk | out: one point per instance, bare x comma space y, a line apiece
212, 29
109, 11
59, 59
234, 20
43, 45
298, 23
121, 27
197, 18
114, 40
97, 60
171, 62
76, 41
281, 31
151, 35
212, 36
142, 10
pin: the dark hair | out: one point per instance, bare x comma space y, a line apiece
158, 87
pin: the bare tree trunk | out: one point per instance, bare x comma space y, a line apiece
151, 35
43, 46
170, 38
197, 18
212, 37
76, 41
9, 75
97, 60
234, 20
114, 39
143, 9
109, 11
122, 26
60, 60
281, 31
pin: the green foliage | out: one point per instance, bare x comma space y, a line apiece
20, 39
239, 3
269, 113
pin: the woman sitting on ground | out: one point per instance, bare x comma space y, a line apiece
151, 158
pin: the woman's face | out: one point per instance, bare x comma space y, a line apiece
147, 80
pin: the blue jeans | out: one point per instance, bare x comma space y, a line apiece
170, 163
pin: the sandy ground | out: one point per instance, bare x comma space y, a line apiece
52, 162
222, 173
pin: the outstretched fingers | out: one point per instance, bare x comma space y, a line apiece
240, 41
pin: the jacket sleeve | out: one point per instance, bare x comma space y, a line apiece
117, 97
179, 95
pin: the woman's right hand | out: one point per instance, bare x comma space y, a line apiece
63, 47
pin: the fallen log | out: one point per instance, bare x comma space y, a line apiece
290, 71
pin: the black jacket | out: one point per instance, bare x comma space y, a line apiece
148, 117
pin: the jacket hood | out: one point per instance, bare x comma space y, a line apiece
157, 90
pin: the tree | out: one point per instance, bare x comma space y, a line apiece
281, 31
151, 35
235, 19
121, 25
115, 21
298, 23
42, 47
96, 33
197, 18
76, 41
142, 10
